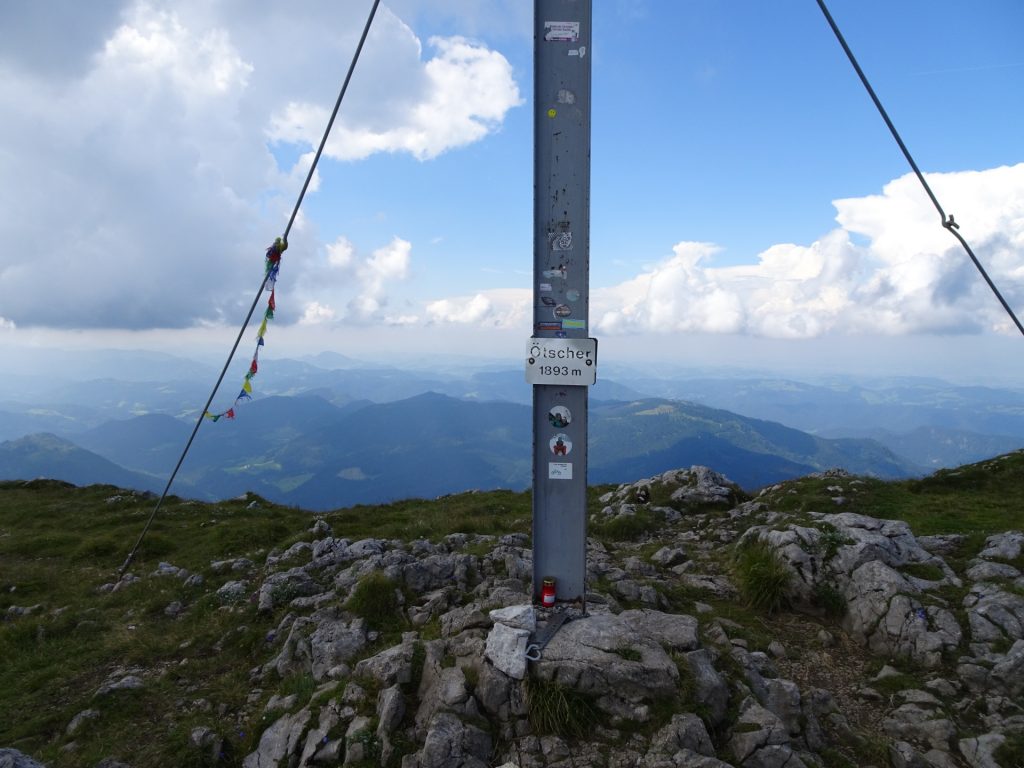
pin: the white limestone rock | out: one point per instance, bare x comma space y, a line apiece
506, 649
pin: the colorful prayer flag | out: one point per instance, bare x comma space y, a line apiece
271, 269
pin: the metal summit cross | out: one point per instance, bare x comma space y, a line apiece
561, 360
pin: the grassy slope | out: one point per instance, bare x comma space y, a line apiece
59, 543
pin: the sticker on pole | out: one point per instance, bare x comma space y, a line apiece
561, 31
559, 470
561, 361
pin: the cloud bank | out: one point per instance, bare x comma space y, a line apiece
139, 174
888, 268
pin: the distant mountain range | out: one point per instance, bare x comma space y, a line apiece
328, 430
50, 456
308, 452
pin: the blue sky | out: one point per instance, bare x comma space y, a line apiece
748, 205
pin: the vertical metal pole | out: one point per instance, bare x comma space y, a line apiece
561, 259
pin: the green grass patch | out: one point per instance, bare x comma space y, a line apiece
628, 527
1011, 752
376, 599
926, 571
557, 710
895, 683
978, 499
491, 512
762, 577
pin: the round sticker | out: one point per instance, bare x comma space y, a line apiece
560, 444
572, 295
563, 310
560, 417
552, 113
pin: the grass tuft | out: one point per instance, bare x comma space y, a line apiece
1011, 752
761, 576
557, 710
375, 598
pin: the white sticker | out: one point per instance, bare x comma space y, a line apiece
545, 287
559, 470
562, 31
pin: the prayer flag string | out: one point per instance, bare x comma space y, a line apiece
273, 266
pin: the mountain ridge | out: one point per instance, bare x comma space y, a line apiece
309, 452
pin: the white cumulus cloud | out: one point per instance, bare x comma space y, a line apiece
505, 308
888, 268
141, 135
342, 277
425, 108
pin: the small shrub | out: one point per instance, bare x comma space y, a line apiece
560, 711
629, 654
831, 540
375, 599
1011, 752
893, 684
762, 577
303, 685
830, 600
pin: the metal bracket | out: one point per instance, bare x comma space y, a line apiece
540, 639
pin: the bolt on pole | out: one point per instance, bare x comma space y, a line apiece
561, 359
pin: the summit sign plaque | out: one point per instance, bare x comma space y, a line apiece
564, 362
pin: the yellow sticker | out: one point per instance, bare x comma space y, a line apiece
552, 113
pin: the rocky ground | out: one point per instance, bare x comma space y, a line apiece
727, 634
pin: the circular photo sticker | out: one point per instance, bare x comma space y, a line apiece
563, 310
560, 444
572, 295
560, 417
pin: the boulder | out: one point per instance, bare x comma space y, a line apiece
1003, 546
684, 732
884, 612
278, 741
757, 729
979, 751
674, 632
1007, 674
515, 616
605, 657
450, 743
12, 758
333, 642
711, 689
390, 666
994, 613
506, 650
